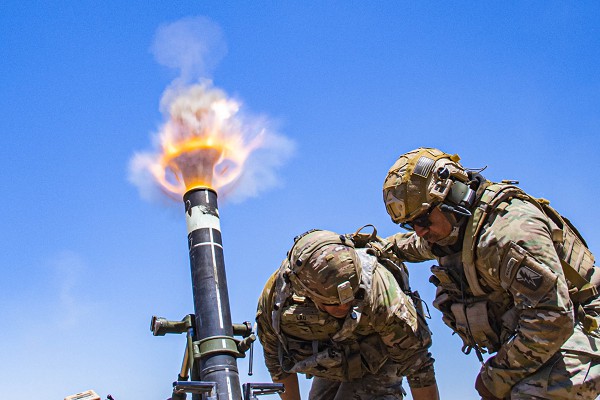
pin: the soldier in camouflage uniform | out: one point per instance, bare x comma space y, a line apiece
515, 278
332, 311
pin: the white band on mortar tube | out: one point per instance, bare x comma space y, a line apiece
198, 219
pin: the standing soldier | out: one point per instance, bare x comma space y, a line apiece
515, 278
334, 312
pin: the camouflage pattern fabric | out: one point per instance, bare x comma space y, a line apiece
386, 313
385, 385
565, 376
544, 356
410, 185
324, 270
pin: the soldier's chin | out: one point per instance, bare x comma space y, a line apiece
433, 239
339, 311
430, 239
448, 240
340, 314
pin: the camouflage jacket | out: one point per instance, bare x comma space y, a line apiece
544, 315
384, 326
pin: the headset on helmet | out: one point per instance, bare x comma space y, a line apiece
324, 267
424, 178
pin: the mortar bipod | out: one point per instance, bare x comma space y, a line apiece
252, 390
197, 349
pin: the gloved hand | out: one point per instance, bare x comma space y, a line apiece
483, 391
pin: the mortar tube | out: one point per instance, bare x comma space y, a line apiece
209, 289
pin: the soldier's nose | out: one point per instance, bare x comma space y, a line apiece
420, 231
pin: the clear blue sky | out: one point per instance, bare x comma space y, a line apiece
86, 262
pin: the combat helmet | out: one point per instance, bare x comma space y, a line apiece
423, 179
324, 267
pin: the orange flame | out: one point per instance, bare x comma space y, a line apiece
203, 144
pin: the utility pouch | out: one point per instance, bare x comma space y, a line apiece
333, 361
482, 331
353, 363
461, 324
576, 258
510, 320
441, 274
443, 302
304, 320
444, 278
373, 353
328, 360
473, 326
299, 349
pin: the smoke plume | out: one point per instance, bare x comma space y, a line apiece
207, 136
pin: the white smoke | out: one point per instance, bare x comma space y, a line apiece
259, 172
67, 268
193, 47
141, 176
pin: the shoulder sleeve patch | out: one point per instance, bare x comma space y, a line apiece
524, 276
510, 264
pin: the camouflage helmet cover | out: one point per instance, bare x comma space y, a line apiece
414, 183
324, 267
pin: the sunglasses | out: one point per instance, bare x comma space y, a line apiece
421, 221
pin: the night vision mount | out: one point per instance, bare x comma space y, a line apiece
456, 197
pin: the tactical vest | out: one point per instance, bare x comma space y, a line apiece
315, 343
485, 320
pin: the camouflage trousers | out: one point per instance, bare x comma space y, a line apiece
572, 373
385, 385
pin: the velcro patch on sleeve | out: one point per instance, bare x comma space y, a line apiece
525, 277
510, 264
529, 278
